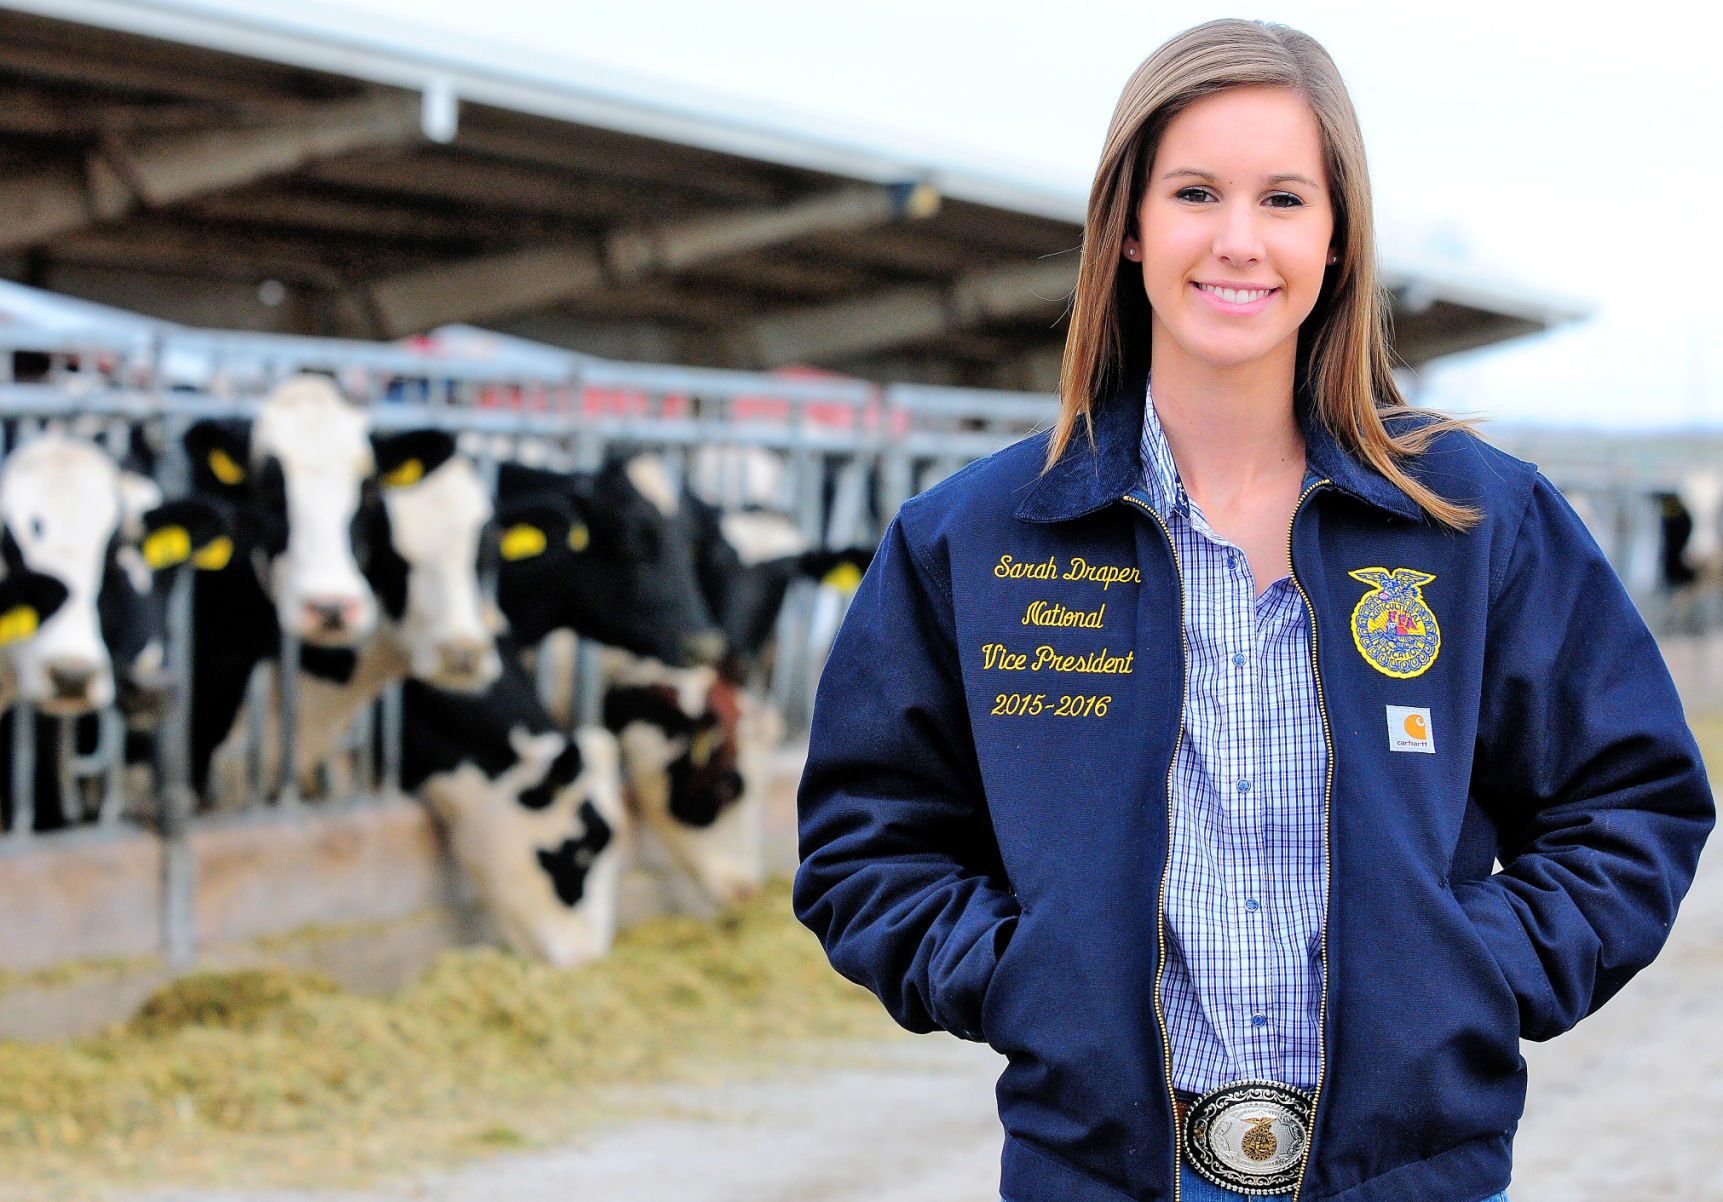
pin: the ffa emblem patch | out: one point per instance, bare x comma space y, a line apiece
1392, 626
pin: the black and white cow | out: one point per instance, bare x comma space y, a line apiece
69, 512
634, 585
695, 759
364, 545
112, 547
534, 818
697, 744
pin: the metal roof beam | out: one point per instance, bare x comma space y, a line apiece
904, 316
158, 171
520, 281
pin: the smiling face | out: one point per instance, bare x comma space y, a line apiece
1234, 228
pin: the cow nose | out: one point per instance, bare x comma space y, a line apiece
459, 661
329, 615
144, 696
702, 648
70, 679
729, 787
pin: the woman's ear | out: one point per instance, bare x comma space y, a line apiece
1133, 250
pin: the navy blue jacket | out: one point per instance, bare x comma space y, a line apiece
984, 839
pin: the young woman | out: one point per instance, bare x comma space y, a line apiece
1170, 752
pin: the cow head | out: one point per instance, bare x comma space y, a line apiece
340, 524
693, 746
591, 553
70, 513
298, 474
191, 532
425, 566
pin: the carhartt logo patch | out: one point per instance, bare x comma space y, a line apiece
1409, 730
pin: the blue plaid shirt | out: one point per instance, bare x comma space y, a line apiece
1246, 891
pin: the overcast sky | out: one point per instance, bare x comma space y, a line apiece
1570, 148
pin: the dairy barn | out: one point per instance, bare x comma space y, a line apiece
536, 293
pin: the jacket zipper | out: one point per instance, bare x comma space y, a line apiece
1327, 865
1167, 868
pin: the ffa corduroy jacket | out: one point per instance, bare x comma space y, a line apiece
984, 812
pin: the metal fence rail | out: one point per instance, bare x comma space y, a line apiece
850, 451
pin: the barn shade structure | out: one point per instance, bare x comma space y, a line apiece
222, 170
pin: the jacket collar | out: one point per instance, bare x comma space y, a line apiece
1089, 477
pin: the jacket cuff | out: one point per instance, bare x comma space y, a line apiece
1493, 915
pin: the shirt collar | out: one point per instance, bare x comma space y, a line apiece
1160, 472
1092, 474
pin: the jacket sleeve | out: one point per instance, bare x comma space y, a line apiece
1586, 763
900, 874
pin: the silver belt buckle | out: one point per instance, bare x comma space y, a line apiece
1249, 1136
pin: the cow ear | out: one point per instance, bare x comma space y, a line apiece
192, 528
578, 537
138, 495
220, 452
406, 458
27, 599
839, 569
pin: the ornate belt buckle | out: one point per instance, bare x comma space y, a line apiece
1249, 1136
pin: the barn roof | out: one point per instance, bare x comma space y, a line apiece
214, 168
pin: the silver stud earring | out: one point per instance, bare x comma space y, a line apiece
1129, 253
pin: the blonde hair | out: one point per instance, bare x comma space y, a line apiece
1343, 357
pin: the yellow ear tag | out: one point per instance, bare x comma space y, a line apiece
17, 623
410, 472
522, 542
225, 469
579, 537
845, 576
166, 547
214, 556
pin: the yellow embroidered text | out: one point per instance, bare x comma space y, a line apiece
1011, 569
1104, 574
1043, 613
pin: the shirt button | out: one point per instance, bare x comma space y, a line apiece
1251, 904
1259, 1021
1244, 786
1238, 659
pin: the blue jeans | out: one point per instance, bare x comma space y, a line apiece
1193, 1188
